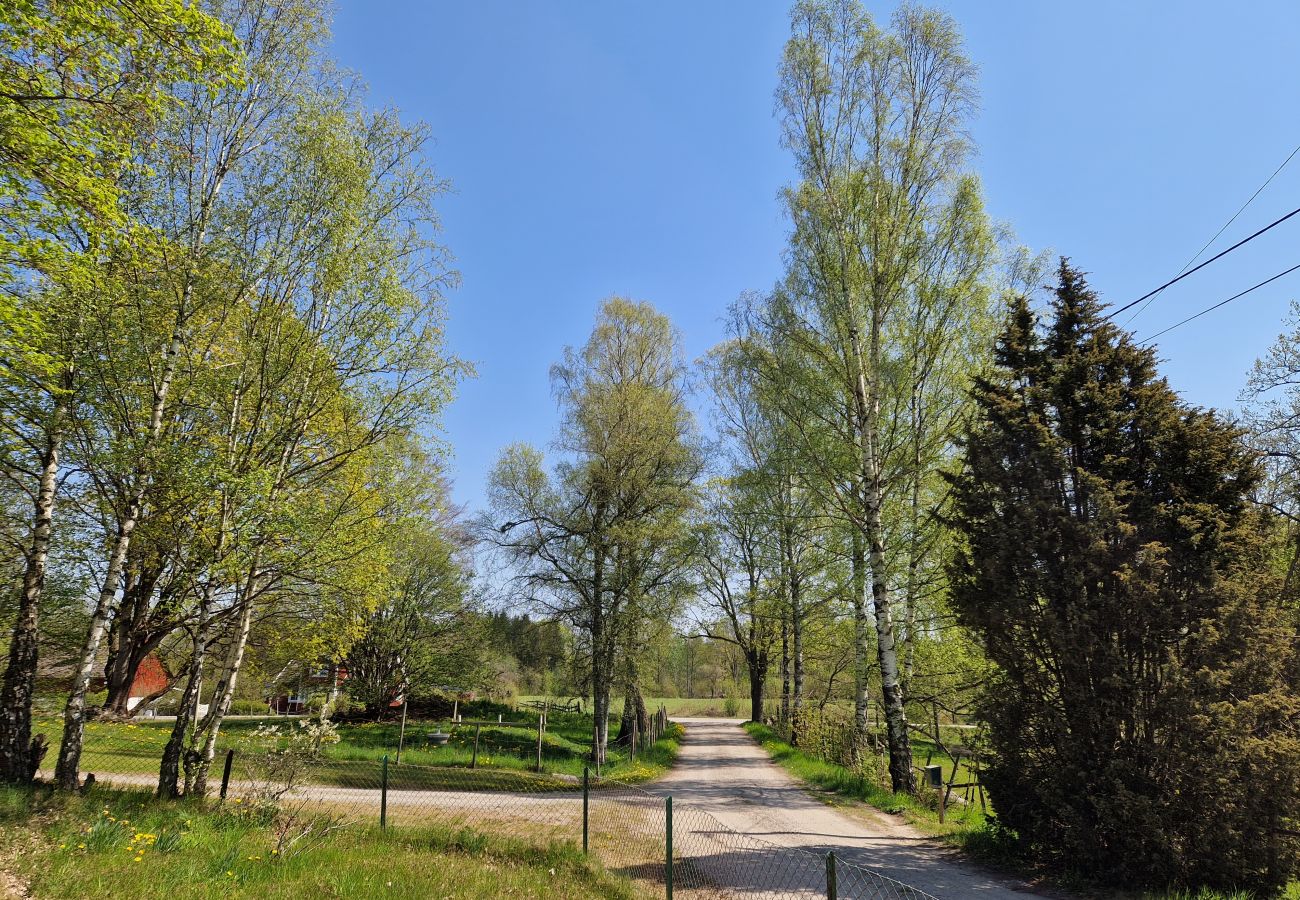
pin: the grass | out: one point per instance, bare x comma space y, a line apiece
677, 707
136, 748
966, 827
125, 844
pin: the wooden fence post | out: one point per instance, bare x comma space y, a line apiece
832, 889
473, 761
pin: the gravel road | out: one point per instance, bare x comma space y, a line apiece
724, 772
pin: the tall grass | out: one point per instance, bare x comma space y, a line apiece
128, 845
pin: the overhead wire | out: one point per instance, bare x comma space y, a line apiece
1259, 190
1217, 305
1217, 256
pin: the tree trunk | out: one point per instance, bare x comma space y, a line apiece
130, 641
20, 755
786, 728
169, 771
861, 650
900, 743
74, 711
633, 711
757, 678
199, 762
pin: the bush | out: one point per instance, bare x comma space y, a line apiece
248, 707
731, 707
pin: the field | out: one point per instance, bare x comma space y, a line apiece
357, 758
124, 844
678, 707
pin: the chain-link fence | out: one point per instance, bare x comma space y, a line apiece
670, 849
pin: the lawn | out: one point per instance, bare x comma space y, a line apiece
356, 760
125, 844
677, 707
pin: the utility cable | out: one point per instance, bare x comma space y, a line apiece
1217, 256
1259, 190
1217, 305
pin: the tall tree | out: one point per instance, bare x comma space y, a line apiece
733, 561
600, 539
81, 85
888, 263
1118, 577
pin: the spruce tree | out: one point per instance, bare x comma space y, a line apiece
1144, 723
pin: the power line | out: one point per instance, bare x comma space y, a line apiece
1259, 190
1217, 256
1217, 305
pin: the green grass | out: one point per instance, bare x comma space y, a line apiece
125, 844
677, 706
966, 827
136, 748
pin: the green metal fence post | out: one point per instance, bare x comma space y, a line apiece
383, 794
225, 773
832, 890
668, 859
585, 808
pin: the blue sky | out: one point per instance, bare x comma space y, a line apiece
619, 148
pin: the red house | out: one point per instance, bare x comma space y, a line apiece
150, 679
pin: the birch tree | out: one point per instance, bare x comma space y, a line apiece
80, 84
888, 256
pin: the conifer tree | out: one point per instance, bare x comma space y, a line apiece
1144, 721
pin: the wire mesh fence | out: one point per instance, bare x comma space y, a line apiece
670, 849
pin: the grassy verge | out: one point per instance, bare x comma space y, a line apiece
966, 827
125, 844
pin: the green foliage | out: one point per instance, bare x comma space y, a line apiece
1113, 569
422, 636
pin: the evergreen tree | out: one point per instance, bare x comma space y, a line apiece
1144, 721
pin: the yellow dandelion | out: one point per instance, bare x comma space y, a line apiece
81, 846
138, 858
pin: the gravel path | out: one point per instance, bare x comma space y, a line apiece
723, 771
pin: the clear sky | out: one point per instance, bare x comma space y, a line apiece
603, 148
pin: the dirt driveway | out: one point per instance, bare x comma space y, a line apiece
727, 774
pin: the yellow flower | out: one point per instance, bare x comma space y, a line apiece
138, 858
81, 846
